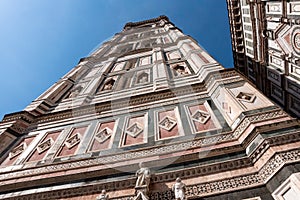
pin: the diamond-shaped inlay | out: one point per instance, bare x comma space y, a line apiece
103, 135
247, 97
201, 116
134, 130
45, 145
167, 123
17, 150
73, 140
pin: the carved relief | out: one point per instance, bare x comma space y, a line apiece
44, 146
201, 116
17, 150
180, 69
247, 97
103, 135
75, 92
135, 130
142, 77
73, 140
167, 123
109, 84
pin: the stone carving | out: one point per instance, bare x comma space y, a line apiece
103, 196
179, 189
134, 130
143, 78
108, 85
180, 70
44, 146
103, 135
201, 116
167, 123
73, 140
75, 92
247, 97
142, 182
143, 176
154, 151
17, 150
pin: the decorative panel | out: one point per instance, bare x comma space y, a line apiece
103, 137
108, 85
142, 77
173, 55
293, 8
179, 69
145, 60
43, 147
118, 66
135, 130
201, 118
277, 93
71, 143
17, 151
167, 124
274, 8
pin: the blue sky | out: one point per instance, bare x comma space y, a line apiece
40, 41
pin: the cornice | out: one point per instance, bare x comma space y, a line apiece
134, 24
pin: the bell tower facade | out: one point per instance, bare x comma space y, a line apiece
148, 115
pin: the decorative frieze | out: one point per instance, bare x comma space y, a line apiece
153, 151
